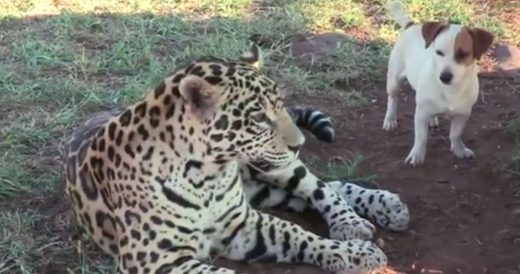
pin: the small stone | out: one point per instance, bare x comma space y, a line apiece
508, 60
311, 48
380, 242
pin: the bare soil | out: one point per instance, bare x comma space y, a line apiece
465, 213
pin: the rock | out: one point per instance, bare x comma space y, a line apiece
508, 60
317, 44
306, 49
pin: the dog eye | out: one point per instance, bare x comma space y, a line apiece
440, 53
462, 55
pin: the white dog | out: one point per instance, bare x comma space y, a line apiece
439, 61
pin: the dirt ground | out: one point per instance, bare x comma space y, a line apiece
465, 213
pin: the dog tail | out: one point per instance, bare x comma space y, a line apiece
396, 10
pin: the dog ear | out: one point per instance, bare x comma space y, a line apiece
201, 97
482, 41
430, 30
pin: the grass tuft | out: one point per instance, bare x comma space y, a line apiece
17, 242
346, 169
29, 244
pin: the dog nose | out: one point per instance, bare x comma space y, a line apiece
446, 77
295, 149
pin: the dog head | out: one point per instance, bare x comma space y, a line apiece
455, 48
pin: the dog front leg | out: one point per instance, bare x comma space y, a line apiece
421, 122
458, 122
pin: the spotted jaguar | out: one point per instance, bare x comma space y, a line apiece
159, 186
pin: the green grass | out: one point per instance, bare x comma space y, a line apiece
63, 59
319, 15
84, 56
16, 242
29, 244
347, 169
468, 12
341, 168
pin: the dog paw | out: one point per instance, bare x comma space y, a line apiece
390, 123
415, 157
463, 153
356, 228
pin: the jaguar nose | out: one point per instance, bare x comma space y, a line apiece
295, 149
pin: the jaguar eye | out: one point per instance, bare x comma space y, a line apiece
262, 101
440, 53
260, 118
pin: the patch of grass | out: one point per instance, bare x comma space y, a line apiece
26, 135
344, 64
29, 244
458, 11
349, 68
346, 169
11, 183
303, 79
17, 242
22, 173
330, 15
28, 146
467, 12
40, 54
20, 8
338, 169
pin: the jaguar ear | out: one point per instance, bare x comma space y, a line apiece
254, 56
201, 97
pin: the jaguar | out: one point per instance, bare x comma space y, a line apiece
160, 185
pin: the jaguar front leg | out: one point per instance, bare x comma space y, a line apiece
368, 200
344, 223
262, 237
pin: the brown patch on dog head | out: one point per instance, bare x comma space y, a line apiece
463, 47
430, 30
482, 41
471, 44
